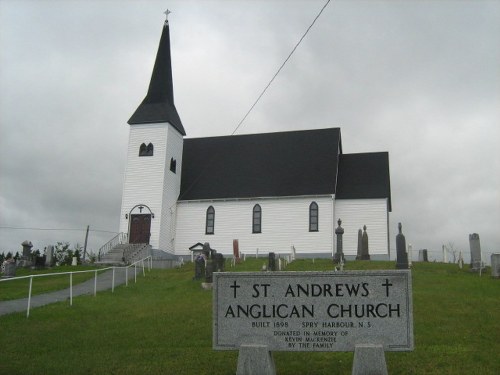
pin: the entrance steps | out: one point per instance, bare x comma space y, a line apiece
123, 254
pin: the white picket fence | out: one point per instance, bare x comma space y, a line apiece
148, 260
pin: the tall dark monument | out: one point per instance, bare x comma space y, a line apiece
339, 254
401, 254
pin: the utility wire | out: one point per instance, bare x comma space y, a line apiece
59, 229
212, 159
281, 67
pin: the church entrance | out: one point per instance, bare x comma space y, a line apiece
140, 228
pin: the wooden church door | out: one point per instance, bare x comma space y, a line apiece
140, 228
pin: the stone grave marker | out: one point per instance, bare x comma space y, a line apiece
50, 259
236, 251
360, 245
366, 312
402, 255
339, 254
422, 255
475, 253
495, 265
272, 262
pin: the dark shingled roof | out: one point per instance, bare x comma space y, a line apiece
364, 175
158, 105
261, 165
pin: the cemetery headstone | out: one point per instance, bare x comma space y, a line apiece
25, 260
27, 245
495, 265
199, 267
402, 256
209, 271
219, 262
365, 255
367, 312
475, 252
410, 254
360, 245
236, 251
339, 254
272, 262
9, 268
422, 255
49, 256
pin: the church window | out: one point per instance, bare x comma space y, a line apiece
257, 219
313, 217
173, 165
209, 227
146, 150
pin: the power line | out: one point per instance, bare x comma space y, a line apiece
57, 229
281, 67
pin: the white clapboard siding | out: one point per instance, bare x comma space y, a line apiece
144, 180
171, 189
355, 213
285, 222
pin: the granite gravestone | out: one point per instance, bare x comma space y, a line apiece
9, 268
271, 265
422, 255
475, 252
365, 255
219, 262
402, 255
339, 254
495, 265
364, 311
199, 267
50, 260
25, 260
360, 245
236, 251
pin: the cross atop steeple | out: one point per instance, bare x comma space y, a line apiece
167, 12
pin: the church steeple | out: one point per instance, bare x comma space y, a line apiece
158, 105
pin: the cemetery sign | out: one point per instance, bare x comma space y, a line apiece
313, 311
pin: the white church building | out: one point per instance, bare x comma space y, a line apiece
270, 191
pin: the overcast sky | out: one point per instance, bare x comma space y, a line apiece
419, 79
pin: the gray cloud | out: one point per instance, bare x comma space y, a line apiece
418, 79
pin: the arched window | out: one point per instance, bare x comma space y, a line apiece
146, 150
313, 217
257, 219
209, 226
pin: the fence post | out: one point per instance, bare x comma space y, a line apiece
126, 276
143, 272
113, 281
135, 273
71, 289
29, 298
95, 284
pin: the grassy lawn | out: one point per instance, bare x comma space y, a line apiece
163, 325
15, 289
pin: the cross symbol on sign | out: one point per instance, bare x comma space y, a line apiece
234, 286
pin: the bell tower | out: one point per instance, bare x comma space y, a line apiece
154, 159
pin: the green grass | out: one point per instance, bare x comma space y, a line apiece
15, 289
163, 325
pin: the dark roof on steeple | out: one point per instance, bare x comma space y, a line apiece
260, 165
364, 176
158, 105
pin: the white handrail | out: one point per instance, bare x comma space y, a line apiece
70, 273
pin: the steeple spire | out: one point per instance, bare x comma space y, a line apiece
158, 105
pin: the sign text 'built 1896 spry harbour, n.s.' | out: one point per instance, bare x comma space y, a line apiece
313, 311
